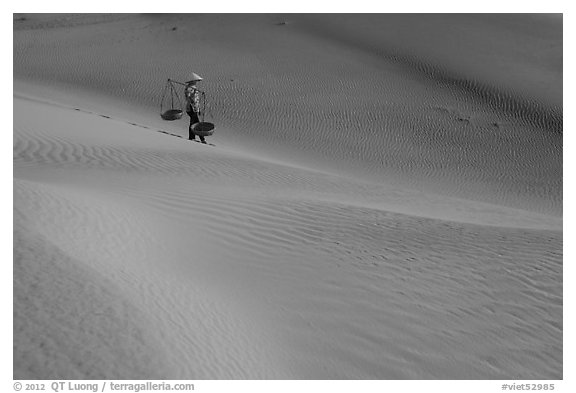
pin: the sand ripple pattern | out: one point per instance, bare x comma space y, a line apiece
392, 281
51, 148
374, 98
271, 244
99, 239
225, 264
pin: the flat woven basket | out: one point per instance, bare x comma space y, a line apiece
172, 114
203, 128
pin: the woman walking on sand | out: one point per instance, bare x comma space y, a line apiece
192, 94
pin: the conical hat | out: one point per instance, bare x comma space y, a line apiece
194, 77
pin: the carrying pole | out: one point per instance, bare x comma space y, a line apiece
173, 81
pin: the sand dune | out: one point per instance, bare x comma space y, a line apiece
350, 108
372, 208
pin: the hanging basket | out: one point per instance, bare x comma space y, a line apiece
203, 128
175, 111
172, 114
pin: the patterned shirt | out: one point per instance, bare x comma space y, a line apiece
192, 95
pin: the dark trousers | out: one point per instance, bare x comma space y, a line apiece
193, 120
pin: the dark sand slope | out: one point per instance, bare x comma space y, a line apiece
384, 199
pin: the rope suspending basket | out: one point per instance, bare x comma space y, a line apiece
175, 112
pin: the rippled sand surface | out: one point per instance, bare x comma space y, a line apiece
380, 201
